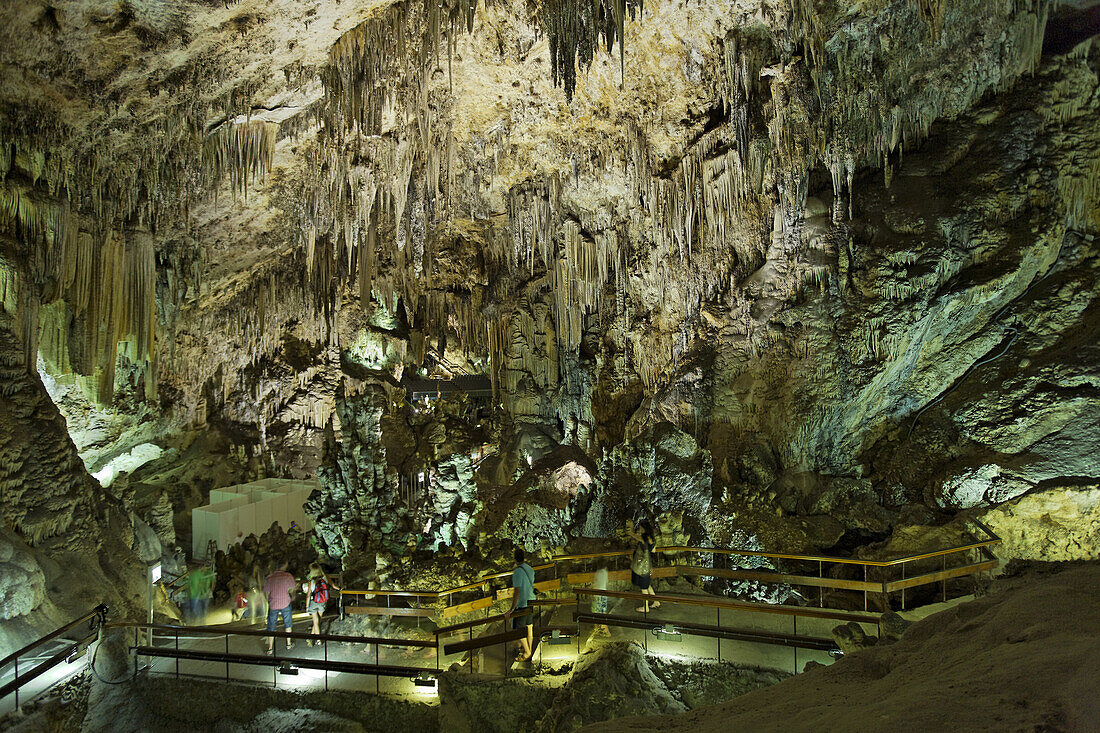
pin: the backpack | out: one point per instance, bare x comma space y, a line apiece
320, 591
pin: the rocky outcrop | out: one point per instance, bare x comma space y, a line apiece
547, 505
1013, 644
356, 509
22, 582
613, 681
1057, 524
453, 495
663, 469
70, 542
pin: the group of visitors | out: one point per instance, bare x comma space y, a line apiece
253, 575
280, 589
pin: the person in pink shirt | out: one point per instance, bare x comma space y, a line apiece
279, 588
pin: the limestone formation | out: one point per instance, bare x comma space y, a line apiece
22, 583
782, 275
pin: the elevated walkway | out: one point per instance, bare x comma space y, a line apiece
467, 384
456, 628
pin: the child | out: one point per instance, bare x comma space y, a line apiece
240, 600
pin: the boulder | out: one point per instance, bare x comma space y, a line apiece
891, 626
611, 682
850, 637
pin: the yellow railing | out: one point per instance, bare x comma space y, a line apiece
564, 567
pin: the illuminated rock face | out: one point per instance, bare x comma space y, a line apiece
758, 242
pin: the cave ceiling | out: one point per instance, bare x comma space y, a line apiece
792, 229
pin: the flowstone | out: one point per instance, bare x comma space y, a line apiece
22, 582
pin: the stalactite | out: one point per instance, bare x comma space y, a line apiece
243, 151
574, 29
707, 215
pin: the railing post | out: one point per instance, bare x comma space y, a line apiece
865, 590
377, 677
226, 657
177, 653
794, 621
903, 588
821, 588
718, 623
325, 642
16, 680
944, 578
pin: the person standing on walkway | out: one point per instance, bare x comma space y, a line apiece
279, 588
641, 563
317, 592
599, 603
523, 590
200, 586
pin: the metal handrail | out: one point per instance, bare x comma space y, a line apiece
444, 630
991, 539
326, 665
230, 631
97, 616
98, 611
690, 600
436, 594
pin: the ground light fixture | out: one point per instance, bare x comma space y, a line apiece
287, 668
668, 632
426, 685
555, 637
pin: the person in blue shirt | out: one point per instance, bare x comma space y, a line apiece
523, 590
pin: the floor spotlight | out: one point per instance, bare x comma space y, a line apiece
667, 632
287, 668
556, 637
428, 685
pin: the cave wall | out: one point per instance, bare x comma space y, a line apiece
67, 544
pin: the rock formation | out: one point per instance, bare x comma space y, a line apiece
801, 274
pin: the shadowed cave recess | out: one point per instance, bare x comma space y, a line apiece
802, 279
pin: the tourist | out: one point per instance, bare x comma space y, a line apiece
200, 587
279, 589
523, 590
641, 563
317, 592
599, 603
240, 599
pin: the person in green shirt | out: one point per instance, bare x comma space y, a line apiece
523, 590
200, 586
